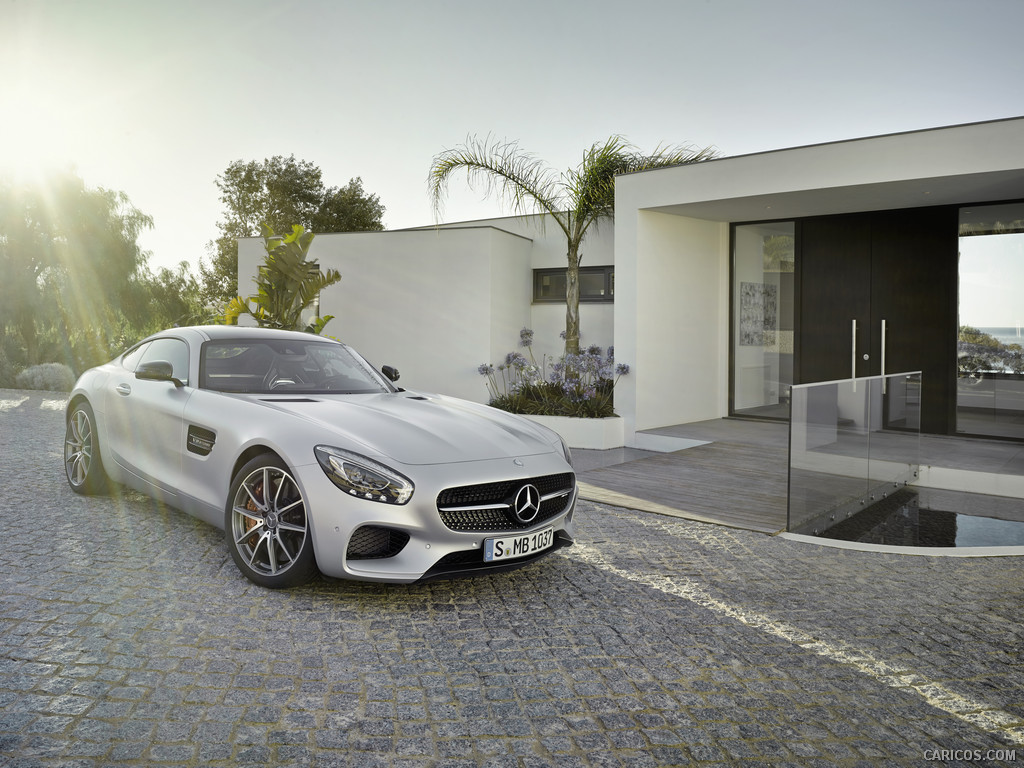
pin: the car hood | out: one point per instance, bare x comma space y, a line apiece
414, 428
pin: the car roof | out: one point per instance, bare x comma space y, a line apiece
240, 332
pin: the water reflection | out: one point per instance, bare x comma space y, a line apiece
901, 520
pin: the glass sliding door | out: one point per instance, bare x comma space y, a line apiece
990, 345
762, 301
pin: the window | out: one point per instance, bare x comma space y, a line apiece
990, 346
596, 284
130, 359
287, 365
763, 265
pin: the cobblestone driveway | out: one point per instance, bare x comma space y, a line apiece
129, 638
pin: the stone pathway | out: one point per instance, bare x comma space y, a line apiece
127, 637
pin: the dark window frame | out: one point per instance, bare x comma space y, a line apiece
608, 297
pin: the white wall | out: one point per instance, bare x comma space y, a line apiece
671, 318
597, 320
433, 303
682, 320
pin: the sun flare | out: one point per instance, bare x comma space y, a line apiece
32, 140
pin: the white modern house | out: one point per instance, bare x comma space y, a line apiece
726, 282
437, 302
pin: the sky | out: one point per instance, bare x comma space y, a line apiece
155, 99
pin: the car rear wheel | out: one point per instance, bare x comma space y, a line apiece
267, 525
82, 463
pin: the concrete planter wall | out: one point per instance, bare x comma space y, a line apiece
598, 434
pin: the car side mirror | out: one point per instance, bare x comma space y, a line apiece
391, 373
157, 370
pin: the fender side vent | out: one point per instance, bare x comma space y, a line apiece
200, 441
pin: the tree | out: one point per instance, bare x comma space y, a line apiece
348, 209
279, 192
162, 300
288, 284
67, 255
576, 199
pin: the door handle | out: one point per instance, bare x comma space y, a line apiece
123, 389
853, 350
883, 357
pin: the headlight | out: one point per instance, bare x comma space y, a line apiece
363, 477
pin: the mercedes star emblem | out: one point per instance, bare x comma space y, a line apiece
527, 503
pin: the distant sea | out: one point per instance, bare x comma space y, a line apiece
1006, 335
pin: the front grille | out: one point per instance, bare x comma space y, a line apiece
488, 507
372, 542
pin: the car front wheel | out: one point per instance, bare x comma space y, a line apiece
267, 525
82, 463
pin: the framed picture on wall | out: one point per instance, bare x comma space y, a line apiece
759, 311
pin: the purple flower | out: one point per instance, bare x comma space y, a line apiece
621, 369
526, 337
515, 360
486, 369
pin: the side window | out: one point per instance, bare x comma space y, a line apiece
597, 284
130, 359
172, 351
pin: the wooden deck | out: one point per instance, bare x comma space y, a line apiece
738, 480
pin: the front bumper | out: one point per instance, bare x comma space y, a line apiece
432, 550
460, 564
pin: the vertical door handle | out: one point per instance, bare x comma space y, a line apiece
853, 350
883, 357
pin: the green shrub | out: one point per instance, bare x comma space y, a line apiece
7, 372
54, 377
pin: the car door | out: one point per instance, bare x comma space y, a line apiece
145, 426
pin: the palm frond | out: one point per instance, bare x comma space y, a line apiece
500, 167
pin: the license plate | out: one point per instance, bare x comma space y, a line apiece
511, 547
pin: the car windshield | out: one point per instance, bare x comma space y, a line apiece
286, 365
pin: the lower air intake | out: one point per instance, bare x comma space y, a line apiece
372, 542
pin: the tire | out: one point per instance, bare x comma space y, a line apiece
268, 535
82, 463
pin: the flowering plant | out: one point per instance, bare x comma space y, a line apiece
579, 385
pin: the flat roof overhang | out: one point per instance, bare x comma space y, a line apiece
948, 190
976, 163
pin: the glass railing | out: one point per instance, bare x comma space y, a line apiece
851, 444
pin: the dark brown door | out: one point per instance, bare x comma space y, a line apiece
834, 274
894, 273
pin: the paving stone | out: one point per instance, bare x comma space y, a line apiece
129, 638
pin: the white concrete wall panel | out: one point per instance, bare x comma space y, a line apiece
548, 250
679, 366
432, 303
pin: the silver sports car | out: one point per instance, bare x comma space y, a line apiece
309, 458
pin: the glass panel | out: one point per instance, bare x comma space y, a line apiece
763, 265
990, 348
551, 286
895, 439
592, 284
851, 444
828, 452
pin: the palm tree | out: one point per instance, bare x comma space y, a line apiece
288, 284
576, 199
